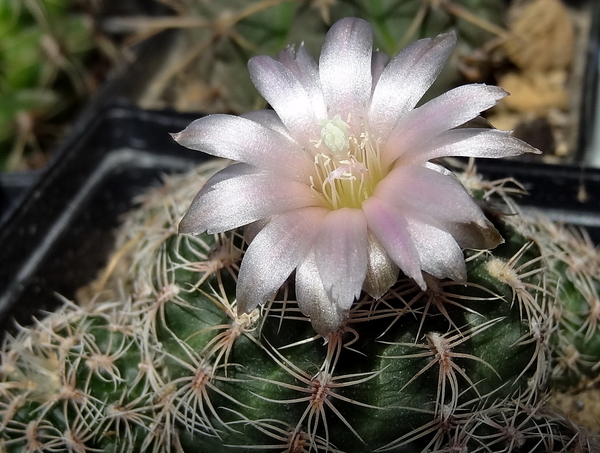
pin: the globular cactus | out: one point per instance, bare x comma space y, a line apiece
573, 268
162, 361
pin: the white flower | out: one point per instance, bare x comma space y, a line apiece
337, 179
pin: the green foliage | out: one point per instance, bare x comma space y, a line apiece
42, 47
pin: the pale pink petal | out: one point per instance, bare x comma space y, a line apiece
274, 253
479, 122
305, 69
435, 192
439, 253
345, 70
391, 229
252, 229
431, 193
378, 62
438, 168
341, 254
442, 197
488, 143
239, 201
229, 172
382, 272
241, 139
406, 79
325, 316
473, 235
445, 112
268, 118
287, 96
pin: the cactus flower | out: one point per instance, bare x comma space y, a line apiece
336, 181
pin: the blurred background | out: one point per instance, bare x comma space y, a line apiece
61, 57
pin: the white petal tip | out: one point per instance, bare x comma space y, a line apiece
421, 283
449, 36
327, 325
532, 149
244, 306
190, 223
185, 226
502, 92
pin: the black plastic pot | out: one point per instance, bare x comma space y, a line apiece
59, 238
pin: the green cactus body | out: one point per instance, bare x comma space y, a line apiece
165, 362
574, 271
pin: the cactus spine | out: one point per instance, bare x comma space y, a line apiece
163, 362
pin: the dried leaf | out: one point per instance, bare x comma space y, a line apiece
542, 36
535, 92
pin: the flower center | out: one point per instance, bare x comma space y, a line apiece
347, 168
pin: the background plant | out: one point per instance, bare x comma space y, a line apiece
206, 66
46, 70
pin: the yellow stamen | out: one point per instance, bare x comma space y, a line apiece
347, 168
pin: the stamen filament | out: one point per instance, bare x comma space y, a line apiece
346, 178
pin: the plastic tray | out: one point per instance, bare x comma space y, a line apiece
59, 237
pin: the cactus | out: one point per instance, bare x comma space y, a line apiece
573, 262
160, 360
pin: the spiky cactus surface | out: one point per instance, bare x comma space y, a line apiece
574, 277
163, 362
